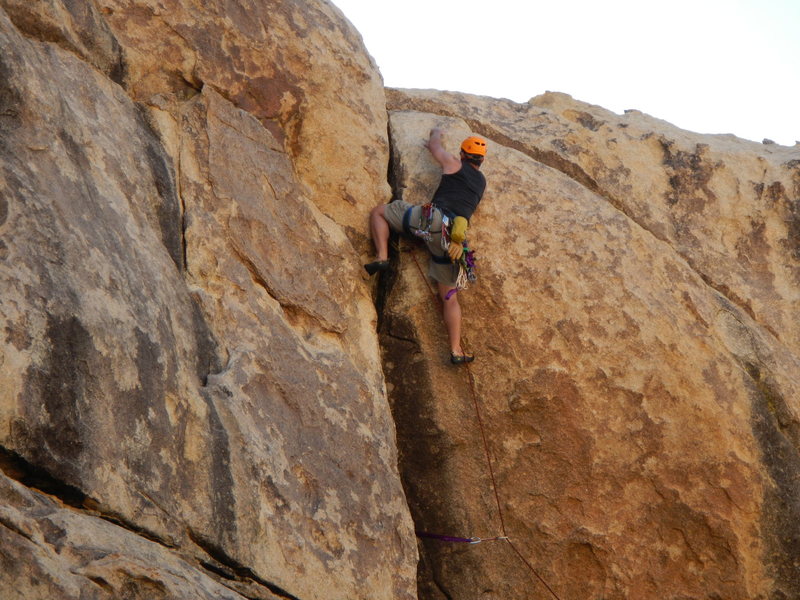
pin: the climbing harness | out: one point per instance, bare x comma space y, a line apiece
423, 228
479, 419
466, 264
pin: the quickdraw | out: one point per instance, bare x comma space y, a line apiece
445, 232
468, 267
463, 540
466, 271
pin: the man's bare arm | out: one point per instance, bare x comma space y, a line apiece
450, 163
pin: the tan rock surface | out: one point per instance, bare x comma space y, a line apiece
75, 26
299, 67
101, 337
192, 402
187, 339
727, 206
642, 426
301, 390
70, 555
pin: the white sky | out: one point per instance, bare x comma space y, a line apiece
709, 66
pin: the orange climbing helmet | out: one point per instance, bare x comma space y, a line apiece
474, 145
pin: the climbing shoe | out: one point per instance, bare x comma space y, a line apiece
375, 267
460, 359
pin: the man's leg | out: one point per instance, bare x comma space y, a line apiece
379, 228
452, 318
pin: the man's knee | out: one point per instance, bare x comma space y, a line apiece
448, 295
378, 211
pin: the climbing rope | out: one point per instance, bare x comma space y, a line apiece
494, 486
478, 417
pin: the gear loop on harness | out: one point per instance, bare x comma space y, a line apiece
422, 229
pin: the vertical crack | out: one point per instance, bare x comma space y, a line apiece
778, 437
387, 278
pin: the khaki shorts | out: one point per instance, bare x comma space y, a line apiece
395, 213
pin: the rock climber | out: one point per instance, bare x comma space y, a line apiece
460, 190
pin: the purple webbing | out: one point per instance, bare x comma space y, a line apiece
444, 538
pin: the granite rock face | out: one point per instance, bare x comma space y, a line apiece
198, 398
637, 375
77, 27
189, 354
727, 206
299, 67
50, 551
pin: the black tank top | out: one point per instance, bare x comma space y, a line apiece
460, 192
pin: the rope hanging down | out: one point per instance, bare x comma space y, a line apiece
504, 537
